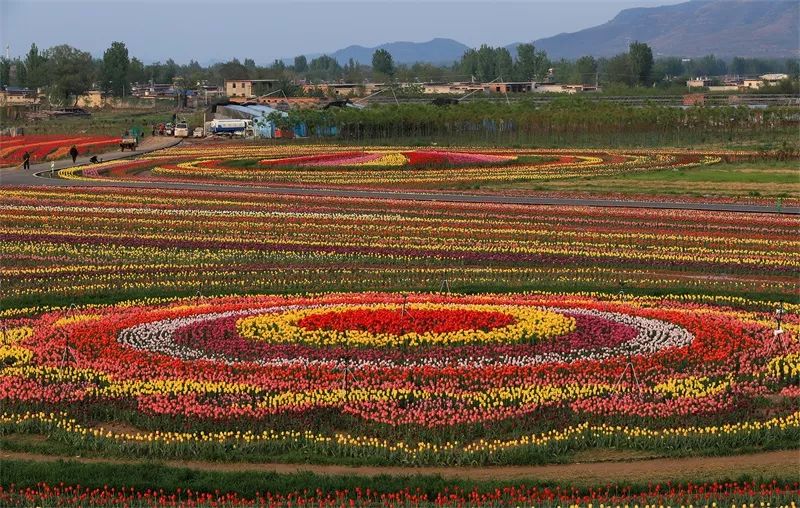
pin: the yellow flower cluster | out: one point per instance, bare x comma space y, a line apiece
785, 366
531, 324
13, 356
412, 451
14, 335
77, 318
692, 387
387, 159
101, 384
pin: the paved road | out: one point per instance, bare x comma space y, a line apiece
40, 175
16, 176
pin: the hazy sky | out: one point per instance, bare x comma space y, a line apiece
264, 30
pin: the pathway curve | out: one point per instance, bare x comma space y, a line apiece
656, 470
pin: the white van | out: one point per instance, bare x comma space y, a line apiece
181, 130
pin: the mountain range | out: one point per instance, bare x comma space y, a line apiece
749, 28
725, 28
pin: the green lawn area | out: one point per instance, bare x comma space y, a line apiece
752, 179
107, 122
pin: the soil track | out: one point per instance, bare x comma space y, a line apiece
661, 469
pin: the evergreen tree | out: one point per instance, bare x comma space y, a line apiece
382, 62
640, 58
115, 68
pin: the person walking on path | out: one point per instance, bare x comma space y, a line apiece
73, 152
26, 160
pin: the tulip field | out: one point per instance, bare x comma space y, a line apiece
86, 245
416, 379
50, 147
164, 323
401, 167
656, 496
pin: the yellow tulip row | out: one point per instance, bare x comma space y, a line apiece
74, 319
10, 336
387, 159
693, 387
12, 356
785, 366
106, 386
63, 423
580, 249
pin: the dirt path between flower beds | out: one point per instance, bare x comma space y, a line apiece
662, 469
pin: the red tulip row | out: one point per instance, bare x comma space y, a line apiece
665, 495
55, 146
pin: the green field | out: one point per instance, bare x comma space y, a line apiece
768, 179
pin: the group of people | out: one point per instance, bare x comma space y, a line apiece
26, 157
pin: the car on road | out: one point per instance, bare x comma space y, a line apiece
181, 130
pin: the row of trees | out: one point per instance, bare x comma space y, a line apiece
561, 119
65, 71
487, 63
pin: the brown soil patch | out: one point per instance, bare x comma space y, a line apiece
656, 470
610, 454
118, 428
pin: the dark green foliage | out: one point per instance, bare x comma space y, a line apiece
382, 62
156, 476
70, 71
116, 68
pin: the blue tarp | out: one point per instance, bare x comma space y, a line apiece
255, 111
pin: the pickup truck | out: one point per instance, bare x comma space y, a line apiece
129, 142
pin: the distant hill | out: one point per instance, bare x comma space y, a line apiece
437, 51
749, 28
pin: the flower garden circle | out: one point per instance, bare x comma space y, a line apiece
190, 380
406, 167
415, 325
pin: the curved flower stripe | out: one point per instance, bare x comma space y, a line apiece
417, 452
403, 167
528, 325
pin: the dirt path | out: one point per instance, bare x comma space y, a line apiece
661, 470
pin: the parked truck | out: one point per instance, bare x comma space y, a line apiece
237, 127
129, 141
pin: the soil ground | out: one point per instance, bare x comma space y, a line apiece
764, 464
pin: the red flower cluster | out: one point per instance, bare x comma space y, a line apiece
701, 494
401, 321
39, 147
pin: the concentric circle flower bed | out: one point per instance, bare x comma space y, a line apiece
331, 165
419, 378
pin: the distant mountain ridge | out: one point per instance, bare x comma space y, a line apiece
747, 28
436, 51
725, 28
